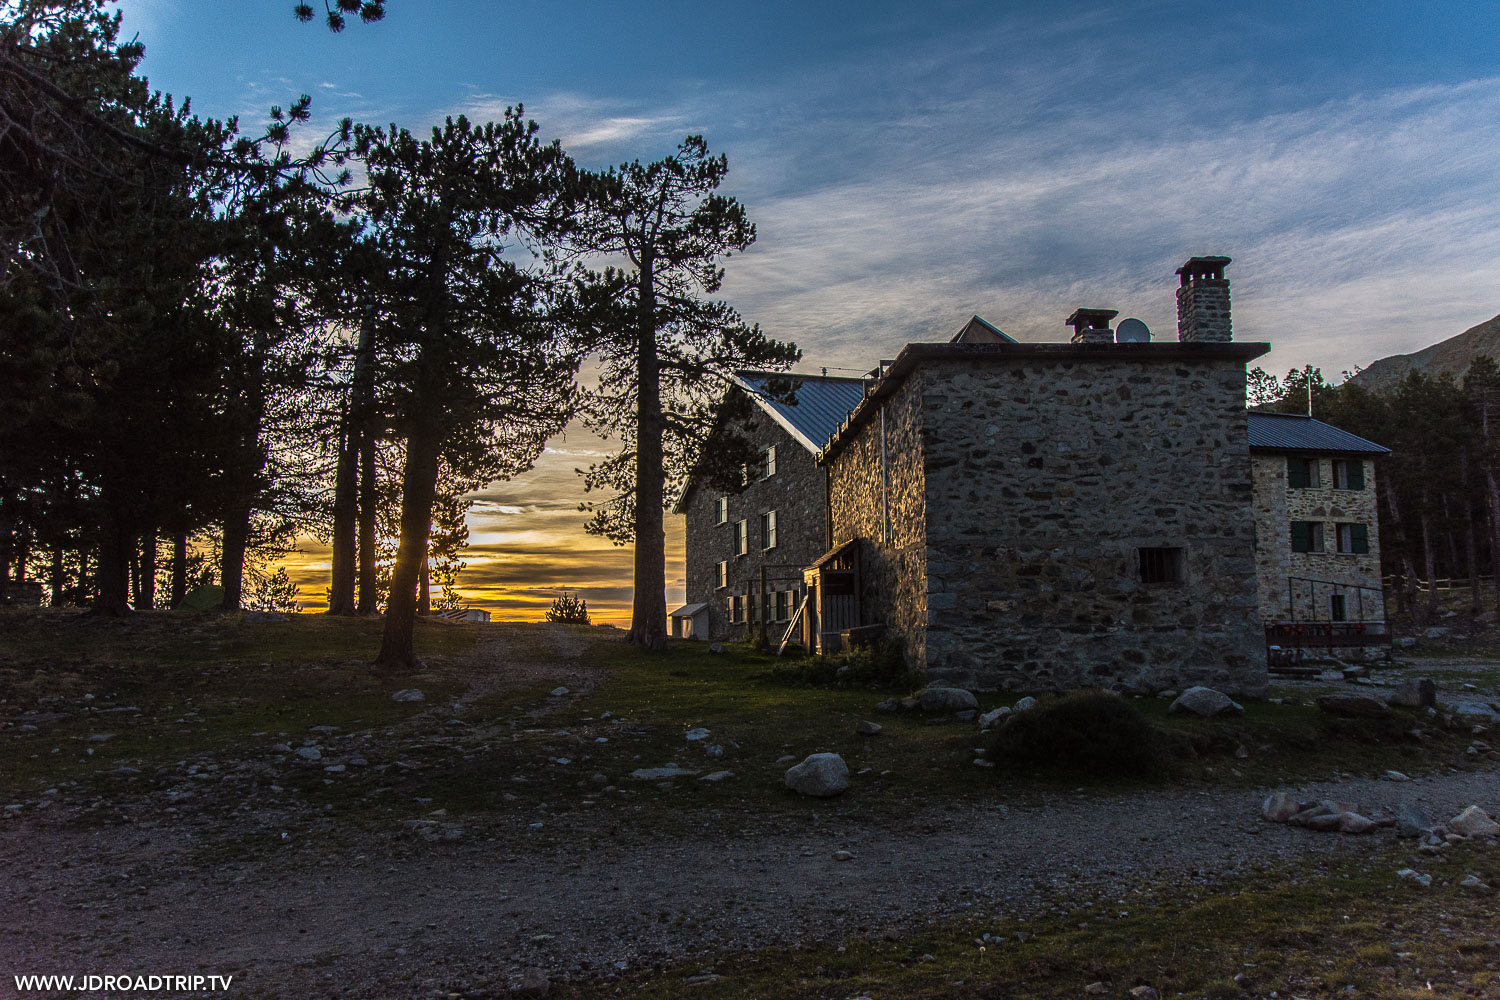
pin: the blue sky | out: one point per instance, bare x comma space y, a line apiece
909, 165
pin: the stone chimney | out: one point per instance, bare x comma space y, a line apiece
1091, 326
1203, 302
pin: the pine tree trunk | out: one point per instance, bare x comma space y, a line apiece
135, 574
59, 579
179, 567
7, 539
424, 588
418, 487
148, 571
369, 598
648, 619
235, 539
1471, 545
1494, 498
345, 513
116, 545
1431, 564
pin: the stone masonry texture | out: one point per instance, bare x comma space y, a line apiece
1277, 506
1203, 311
1021, 490
797, 492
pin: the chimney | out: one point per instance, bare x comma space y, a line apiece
1203, 302
1091, 326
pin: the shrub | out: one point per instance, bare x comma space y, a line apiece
569, 609
883, 666
1087, 731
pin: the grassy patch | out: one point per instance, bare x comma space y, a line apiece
1350, 929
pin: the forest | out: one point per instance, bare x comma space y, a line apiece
1439, 489
215, 340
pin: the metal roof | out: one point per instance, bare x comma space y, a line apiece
1295, 432
823, 403
688, 610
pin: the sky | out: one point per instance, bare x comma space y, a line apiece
910, 165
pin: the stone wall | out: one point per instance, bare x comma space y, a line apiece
798, 493
1276, 507
893, 568
1040, 480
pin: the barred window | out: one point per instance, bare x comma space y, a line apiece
1160, 565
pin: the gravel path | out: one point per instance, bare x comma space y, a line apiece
468, 918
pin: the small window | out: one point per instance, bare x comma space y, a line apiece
1307, 536
767, 605
1354, 539
721, 511
768, 462
782, 603
1161, 565
1302, 473
741, 537
737, 608
1336, 608
721, 574
1349, 475
768, 529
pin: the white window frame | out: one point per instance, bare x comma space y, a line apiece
742, 537
768, 530
721, 510
721, 575
768, 462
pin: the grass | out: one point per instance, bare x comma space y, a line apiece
1352, 929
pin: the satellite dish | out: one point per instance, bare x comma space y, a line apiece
1132, 331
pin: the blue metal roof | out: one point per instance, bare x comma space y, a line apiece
823, 402
1294, 432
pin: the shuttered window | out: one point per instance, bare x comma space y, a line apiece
721, 511
1302, 473
768, 529
741, 537
1354, 539
721, 574
1349, 475
1307, 536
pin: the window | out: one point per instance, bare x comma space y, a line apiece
1307, 536
1336, 609
766, 606
1160, 565
768, 462
737, 608
1302, 473
721, 511
721, 574
1354, 539
741, 537
768, 529
1349, 475
782, 603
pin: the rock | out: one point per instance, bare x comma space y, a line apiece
1324, 822
1473, 884
1470, 711
533, 983
1411, 820
1354, 706
716, 647
335, 768
1406, 641
1143, 993
599, 778
1414, 876
1436, 632
101, 737
843, 855
910, 704
1419, 692
1168, 693
822, 775
693, 735
717, 776
785, 759
408, 694
967, 715
1026, 704
432, 831
1474, 822
1396, 776
1280, 807
280, 748
1353, 822
866, 728
661, 773
946, 699
1205, 701
989, 720
889, 705
558, 692
310, 753
1096, 989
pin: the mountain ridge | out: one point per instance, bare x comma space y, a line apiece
1452, 355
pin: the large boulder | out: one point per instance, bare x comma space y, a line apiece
1354, 706
1476, 711
1205, 701
947, 700
1474, 822
1419, 692
822, 775
989, 720
1280, 807
1412, 820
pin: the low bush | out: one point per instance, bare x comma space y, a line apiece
883, 666
1090, 731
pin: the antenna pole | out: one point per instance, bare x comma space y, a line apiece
1309, 389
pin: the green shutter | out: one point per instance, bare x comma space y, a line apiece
1296, 475
1301, 536
1356, 474
1359, 539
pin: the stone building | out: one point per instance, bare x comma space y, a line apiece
1020, 516
1317, 550
746, 551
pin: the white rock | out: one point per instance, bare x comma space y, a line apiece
1280, 807
408, 694
822, 775
866, 728
1415, 876
1474, 822
717, 776
1473, 882
1396, 776
1026, 704
558, 692
1470, 710
989, 720
1205, 701
310, 753
692, 735
946, 699
843, 855
661, 773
